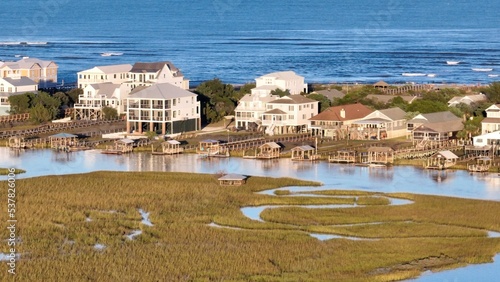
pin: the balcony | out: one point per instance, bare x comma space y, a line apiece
88, 106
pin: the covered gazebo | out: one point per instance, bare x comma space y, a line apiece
121, 146
17, 142
441, 160
269, 150
63, 141
381, 84
208, 146
169, 147
343, 156
304, 153
380, 155
232, 179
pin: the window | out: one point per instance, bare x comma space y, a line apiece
115, 75
173, 113
300, 108
312, 106
304, 116
173, 102
291, 108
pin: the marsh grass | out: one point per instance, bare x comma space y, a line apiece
5, 171
58, 242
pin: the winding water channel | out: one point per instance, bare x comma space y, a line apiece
333, 176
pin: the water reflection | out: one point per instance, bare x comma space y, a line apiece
335, 176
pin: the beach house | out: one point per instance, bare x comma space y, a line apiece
468, 99
440, 126
14, 86
284, 80
116, 74
380, 124
492, 121
289, 114
163, 108
146, 74
44, 73
334, 122
97, 96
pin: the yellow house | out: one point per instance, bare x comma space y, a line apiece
42, 72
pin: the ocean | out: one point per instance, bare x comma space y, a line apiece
325, 41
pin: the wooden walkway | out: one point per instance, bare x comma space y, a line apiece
55, 127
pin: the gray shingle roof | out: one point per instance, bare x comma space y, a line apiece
141, 67
435, 117
293, 99
22, 81
161, 91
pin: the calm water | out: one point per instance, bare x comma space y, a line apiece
333, 176
235, 40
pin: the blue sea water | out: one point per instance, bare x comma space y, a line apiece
236, 40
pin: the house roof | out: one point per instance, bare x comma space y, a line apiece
276, 112
435, 117
28, 62
22, 81
106, 88
285, 75
303, 148
352, 112
141, 67
442, 127
394, 113
266, 87
446, 154
381, 84
468, 99
160, 91
252, 98
331, 93
63, 135
387, 98
233, 176
272, 145
293, 99
115, 68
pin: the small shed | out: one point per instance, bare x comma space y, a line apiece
208, 147
381, 84
380, 155
63, 141
343, 156
121, 146
269, 150
232, 179
304, 153
169, 147
441, 160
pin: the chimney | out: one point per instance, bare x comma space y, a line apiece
342, 113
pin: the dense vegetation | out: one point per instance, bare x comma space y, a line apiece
61, 218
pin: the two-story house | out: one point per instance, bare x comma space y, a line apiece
163, 108
44, 73
14, 86
334, 121
285, 80
289, 114
97, 96
492, 121
248, 113
380, 124
116, 74
146, 74
440, 126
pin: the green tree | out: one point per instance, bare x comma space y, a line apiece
73, 95
493, 92
50, 103
427, 106
20, 104
324, 102
150, 134
217, 99
63, 97
280, 92
109, 113
39, 114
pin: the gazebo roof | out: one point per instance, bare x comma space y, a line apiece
209, 141
63, 135
381, 84
446, 154
126, 141
173, 142
303, 148
272, 145
233, 177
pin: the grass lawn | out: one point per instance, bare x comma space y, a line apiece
61, 218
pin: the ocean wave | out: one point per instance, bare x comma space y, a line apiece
24, 43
